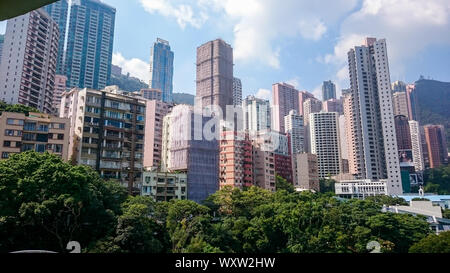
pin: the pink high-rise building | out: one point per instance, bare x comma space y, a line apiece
235, 160
437, 145
155, 112
302, 97
333, 105
285, 99
60, 88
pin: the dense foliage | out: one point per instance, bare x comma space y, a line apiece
45, 203
16, 108
437, 180
433, 244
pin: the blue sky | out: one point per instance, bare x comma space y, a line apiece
302, 42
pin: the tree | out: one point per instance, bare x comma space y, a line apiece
283, 184
16, 108
437, 180
446, 214
45, 203
433, 244
327, 185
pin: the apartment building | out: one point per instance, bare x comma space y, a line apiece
285, 98
28, 68
235, 160
164, 186
107, 133
33, 132
257, 114
307, 172
263, 162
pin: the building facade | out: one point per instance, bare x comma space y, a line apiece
257, 114
161, 69
30, 54
151, 94
302, 97
163, 186
215, 75
34, 132
437, 145
307, 172
325, 143
361, 188
333, 105
107, 133
186, 151
285, 98
2, 42
237, 92
293, 124
59, 12
328, 91
89, 44
263, 163
416, 144
373, 143
400, 103
235, 160
155, 112
60, 88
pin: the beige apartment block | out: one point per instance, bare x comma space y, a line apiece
34, 132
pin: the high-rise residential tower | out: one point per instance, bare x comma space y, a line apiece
373, 148
89, 44
28, 68
59, 12
324, 130
295, 131
328, 91
215, 75
400, 103
437, 145
237, 92
416, 143
302, 97
161, 69
257, 115
285, 98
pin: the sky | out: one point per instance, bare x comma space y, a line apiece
301, 42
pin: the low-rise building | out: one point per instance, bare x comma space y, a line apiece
361, 188
307, 172
36, 132
164, 186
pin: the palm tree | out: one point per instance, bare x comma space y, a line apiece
13, 8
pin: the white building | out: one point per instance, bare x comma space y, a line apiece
416, 143
293, 126
28, 66
361, 188
257, 114
374, 152
163, 186
324, 135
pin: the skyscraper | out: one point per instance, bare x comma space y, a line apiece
404, 142
237, 92
400, 102
285, 98
215, 74
325, 142
373, 144
27, 72
311, 105
257, 115
302, 97
416, 143
161, 69
328, 90
59, 12
89, 44
398, 86
60, 88
295, 131
333, 105
437, 145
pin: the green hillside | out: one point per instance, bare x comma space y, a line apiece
433, 103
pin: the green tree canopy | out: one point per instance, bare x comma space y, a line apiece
433, 244
45, 203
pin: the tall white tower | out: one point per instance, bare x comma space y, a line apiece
375, 152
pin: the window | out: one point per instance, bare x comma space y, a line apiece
9, 132
58, 148
40, 148
60, 136
7, 144
30, 126
43, 128
5, 155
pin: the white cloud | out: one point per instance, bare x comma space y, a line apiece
136, 67
264, 94
183, 13
294, 82
257, 24
409, 27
